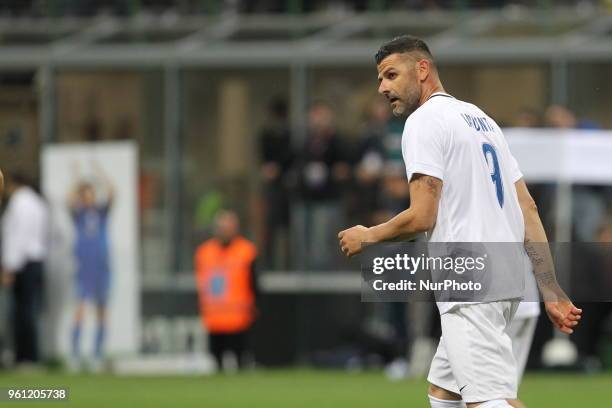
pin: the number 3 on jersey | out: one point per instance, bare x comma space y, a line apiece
491, 157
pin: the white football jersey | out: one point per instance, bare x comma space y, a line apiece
458, 143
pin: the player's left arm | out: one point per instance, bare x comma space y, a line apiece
560, 309
425, 194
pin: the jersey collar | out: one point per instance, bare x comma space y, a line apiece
440, 94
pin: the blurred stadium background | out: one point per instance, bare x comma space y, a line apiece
222, 100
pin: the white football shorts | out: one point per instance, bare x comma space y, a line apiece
475, 357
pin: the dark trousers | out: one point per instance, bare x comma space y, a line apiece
220, 343
27, 295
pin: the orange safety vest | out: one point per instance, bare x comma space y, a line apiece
223, 278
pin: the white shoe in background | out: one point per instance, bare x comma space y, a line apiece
397, 370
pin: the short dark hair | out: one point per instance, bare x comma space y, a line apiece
400, 45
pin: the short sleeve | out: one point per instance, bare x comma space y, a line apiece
515, 171
513, 168
423, 147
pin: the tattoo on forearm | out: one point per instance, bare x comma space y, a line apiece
543, 267
546, 278
536, 258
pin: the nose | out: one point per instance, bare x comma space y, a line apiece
382, 88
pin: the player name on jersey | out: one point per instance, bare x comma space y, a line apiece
480, 124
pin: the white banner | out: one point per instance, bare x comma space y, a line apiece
65, 167
563, 155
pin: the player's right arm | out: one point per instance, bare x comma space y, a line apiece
420, 217
560, 309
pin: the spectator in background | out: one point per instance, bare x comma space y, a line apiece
227, 288
276, 158
24, 249
370, 162
559, 117
90, 217
322, 170
394, 197
527, 118
380, 173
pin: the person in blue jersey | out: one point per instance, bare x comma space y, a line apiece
90, 216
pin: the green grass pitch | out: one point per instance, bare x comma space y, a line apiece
291, 389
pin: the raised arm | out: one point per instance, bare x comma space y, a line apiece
560, 309
420, 217
108, 184
72, 200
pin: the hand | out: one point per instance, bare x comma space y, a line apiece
564, 315
352, 238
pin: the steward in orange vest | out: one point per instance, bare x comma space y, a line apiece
225, 279
225, 284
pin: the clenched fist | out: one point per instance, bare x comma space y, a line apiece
352, 238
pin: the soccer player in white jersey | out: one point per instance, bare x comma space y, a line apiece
465, 186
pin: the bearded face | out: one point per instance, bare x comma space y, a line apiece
398, 82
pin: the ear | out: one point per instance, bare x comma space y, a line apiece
423, 69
